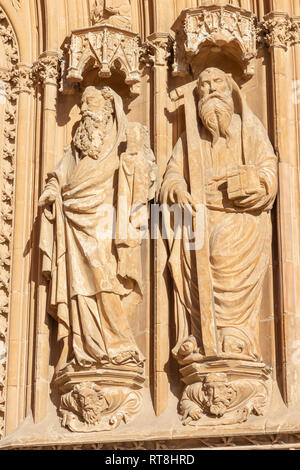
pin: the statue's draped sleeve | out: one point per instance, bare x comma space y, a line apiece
53, 245
259, 151
177, 170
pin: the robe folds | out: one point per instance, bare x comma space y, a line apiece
87, 292
239, 239
114, 12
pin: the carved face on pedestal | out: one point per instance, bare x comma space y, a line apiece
215, 105
218, 393
97, 110
90, 401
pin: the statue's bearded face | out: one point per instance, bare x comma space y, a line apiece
216, 105
92, 404
218, 397
97, 110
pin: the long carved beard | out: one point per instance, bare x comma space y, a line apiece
92, 415
218, 409
216, 112
89, 136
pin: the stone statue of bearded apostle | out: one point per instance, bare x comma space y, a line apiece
223, 165
114, 12
95, 278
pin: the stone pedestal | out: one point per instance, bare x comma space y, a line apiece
224, 391
99, 399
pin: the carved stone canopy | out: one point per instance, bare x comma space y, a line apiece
106, 47
212, 34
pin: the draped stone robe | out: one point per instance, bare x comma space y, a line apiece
239, 239
80, 257
121, 18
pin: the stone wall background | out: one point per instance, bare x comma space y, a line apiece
36, 123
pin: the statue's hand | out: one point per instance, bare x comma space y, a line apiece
195, 414
112, 11
251, 199
191, 413
48, 197
182, 197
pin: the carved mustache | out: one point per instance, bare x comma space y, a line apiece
215, 401
90, 114
213, 95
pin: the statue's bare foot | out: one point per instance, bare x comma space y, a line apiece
188, 347
194, 357
189, 351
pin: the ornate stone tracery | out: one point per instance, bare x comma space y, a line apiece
157, 50
10, 87
213, 29
46, 70
279, 30
108, 48
276, 30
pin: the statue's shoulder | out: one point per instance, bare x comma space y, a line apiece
256, 133
252, 120
65, 164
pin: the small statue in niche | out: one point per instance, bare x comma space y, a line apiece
225, 163
114, 12
136, 183
95, 275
